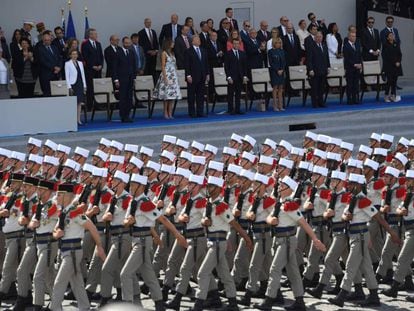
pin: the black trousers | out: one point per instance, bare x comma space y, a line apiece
318, 85
391, 84
352, 86
234, 95
150, 65
25, 90
91, 74
125, 96
196, 93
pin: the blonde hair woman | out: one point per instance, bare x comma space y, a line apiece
277, 65
274, 33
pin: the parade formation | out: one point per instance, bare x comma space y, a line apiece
324, 218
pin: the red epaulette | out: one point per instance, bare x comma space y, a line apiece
389, 157
346, 197
201, 203
382, 171
34, 207
290, 206
324, 194
52, 210
383, 194
251, 198
402, 180
268, 201
171, 190
184, 198
126, 201
237, 192
18, 203
221, 208
78, 189
364, 202
400, 193
309, 156
106, 198
271, 182
147, 206
155, 188
75, 213
379, 184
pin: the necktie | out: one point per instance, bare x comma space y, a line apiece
126, 53
62, 42
198, 53
237, 54
138, 58
174, 32
320, 46
353, 45
291, 40
231, 22
371, 31
264, 34
215, 46
150, 36
49, 48
391, 30
187, 44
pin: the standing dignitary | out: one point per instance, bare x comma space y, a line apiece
149, 42
353, 68
124, 73
181, 44
318, 67
139, 54
170, 30
93, 58
50, 63
110, 54
236, 73
370, 41
197, 74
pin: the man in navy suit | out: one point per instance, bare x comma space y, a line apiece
110, 54
197, 74
171, 30
236, 73
232, 21
291, 45
124, 72
317, 66
215, 59
370, 41
263, 35
353, 67
204, 34
181, 44
149, 42
139, 54
93, 57
389, 23
50, 63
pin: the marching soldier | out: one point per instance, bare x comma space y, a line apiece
33, 165
33, 146
70, 229
210, 152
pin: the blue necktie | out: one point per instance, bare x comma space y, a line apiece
198, 53
174, 32
138, 58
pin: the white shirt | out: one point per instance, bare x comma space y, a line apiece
3, 72
332, 44
302, 34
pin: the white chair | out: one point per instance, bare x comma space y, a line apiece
372, 76
298, 81
220, 86
143, 88
336, 80
104, 94
261, 84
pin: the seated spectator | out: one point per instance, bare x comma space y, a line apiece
24, 69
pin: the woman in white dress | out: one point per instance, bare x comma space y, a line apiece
302, 33
167, 87
334, 43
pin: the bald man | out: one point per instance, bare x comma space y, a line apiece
110, 54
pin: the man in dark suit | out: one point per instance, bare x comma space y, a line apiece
253, 51
320, 24
284, 21
310, 40
204, 34
389, 23
50, 63
244, 33
263, 35
124, 71
139, 54
223, 34
197, 74
93, 57
371, 42
232, 21
291, 45
182, 43
215, 59
353, 67
236, 73
59, 40
171, 30
110, 54
318, 65
149, 42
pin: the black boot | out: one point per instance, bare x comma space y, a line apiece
339, 299
159, 305
372, 300
388, 277
265, 305
241, 287
165, 291
246, 300
37, 308
279, 300
337, 288
298, 305
262, 290
69, 295
285, 283
408, 285
393, 290
213, 301
358, 293
2, 297
317, 291
175, 303
12, 293
232, 306
118, 294
309, 283
409, 298
19, 305
104, 301
198, 305
144, 289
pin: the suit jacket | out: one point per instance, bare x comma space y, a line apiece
351, 56
71, 73
385, 32
254, 55
18, 65
235, 68
281, 31
370, 42
166, 31
293, 53
141, 63
235, 24
391, 54
91, 56
261, 37
179, 51
321, 27
145, 41
194, 67
213, 59
110, 56
317, 60
204, 40
59, 46
309, 43
222, 37
244, 36
47, 61
124, 66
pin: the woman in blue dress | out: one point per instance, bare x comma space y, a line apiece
277, 65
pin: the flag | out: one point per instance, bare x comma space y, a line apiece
86, 26
70, 32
